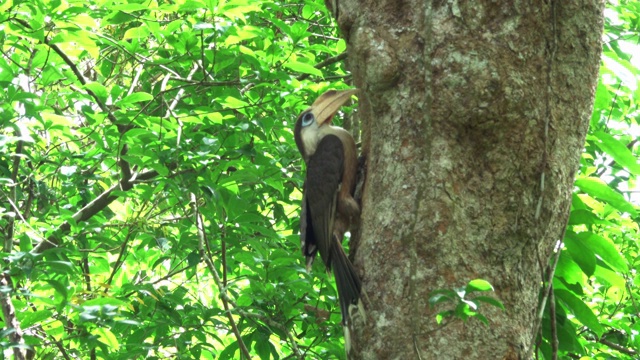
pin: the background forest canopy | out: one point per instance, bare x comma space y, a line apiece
150, 184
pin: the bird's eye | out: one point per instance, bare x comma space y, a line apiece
307, 119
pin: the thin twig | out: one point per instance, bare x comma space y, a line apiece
122, 129
329, 61
320, 65
553, 47
98, 204
618, 348
11, 322
8, 240
120, 260
554, 329
202, 236
545, 296
272, 324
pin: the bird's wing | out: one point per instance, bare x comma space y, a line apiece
307, 239
324, 174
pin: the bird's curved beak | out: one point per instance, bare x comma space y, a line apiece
327, 104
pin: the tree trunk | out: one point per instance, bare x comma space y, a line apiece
475, 115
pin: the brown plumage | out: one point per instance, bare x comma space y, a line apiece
328, 207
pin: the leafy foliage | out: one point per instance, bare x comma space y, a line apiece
466, 300
151, 143
593, 309
127, 127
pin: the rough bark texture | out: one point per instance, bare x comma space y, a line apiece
475, 115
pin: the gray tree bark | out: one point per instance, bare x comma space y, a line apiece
475, 114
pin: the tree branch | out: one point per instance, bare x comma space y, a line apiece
320, 65
9, 316
618, 348
8, 237
202, 236
226, 301
94, 207
329, 61
8, 310
122, 129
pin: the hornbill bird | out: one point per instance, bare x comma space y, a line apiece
328, 207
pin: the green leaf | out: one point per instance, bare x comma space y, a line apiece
139, 33
102, 301
134, 98
489, 300
442, 295
603, 97
59, 288
608, 277
586, 217
569, 270
303, 68
263, 345
58, 267
230, 351
580, 310
464, 310
604, 249
478, 285
481, 317
623, 70
129, 6
75, 41
582, 255
107, 337
29, 319
618, 151
234, 102
98, 89
600, 190
443, 315
567, 337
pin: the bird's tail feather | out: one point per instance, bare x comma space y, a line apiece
347, 280
349, 289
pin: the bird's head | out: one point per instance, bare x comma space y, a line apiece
315, 121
